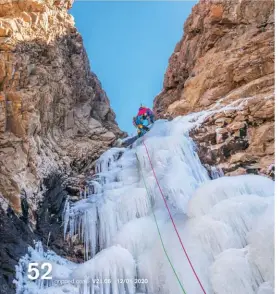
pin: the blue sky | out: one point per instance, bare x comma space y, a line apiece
129, 44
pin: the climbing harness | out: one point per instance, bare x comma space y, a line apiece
142, 130
158, 230
171, 217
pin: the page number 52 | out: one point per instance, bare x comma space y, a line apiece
34, 273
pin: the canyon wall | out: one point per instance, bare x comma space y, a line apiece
54, 114
55, 121
224, 64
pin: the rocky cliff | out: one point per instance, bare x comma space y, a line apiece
224, 64
54, 113
55, 119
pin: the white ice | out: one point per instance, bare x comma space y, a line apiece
226, 224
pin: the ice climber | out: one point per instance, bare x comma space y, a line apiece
143, 120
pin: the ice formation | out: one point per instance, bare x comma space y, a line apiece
226, 225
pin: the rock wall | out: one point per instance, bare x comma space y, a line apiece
224, 64
54, 114
55, 121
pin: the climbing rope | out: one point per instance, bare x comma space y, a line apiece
161, 192
159, 233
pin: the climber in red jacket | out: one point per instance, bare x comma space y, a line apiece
144, 118
147, 112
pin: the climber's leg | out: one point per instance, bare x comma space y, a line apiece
152, 118
146, 129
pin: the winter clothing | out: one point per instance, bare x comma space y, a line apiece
144, 118
144, 110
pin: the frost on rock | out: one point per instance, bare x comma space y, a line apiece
60, 271
226, 224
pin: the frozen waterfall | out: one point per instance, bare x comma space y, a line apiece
226, 226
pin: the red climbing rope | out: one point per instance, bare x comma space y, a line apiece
191, 265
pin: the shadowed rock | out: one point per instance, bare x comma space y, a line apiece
226, 55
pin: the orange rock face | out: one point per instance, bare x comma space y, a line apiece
54, 115
226, 59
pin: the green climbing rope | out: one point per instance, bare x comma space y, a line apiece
159, 233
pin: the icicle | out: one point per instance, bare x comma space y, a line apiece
61, 269
137, 235
107, 160
112, 268
225, 224
216, 172
66, 217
